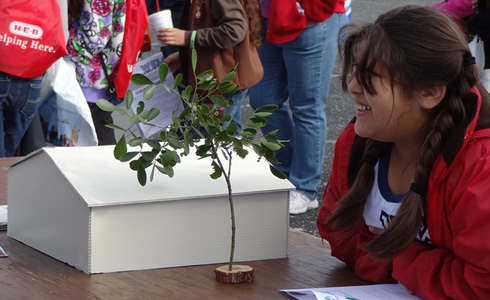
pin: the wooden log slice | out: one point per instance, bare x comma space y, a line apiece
238, 274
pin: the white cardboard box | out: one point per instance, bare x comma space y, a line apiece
83, 207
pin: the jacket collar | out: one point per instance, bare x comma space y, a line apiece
478, 118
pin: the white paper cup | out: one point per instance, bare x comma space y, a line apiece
161, 19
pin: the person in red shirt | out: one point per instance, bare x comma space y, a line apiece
298, 55
408, 196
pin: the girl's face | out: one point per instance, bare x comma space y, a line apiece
388, 116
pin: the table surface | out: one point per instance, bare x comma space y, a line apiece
29, 274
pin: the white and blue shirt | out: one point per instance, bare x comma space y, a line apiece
382, 204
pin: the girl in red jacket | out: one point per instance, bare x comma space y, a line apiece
408, 198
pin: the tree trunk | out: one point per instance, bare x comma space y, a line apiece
238, 274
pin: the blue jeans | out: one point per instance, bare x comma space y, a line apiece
300, 71
19, 101
236, 109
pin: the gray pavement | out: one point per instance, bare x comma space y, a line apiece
339, 108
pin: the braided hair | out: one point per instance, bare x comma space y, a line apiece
419, 47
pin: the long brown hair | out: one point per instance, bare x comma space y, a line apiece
252, 10
418, 47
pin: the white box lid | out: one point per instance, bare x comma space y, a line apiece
101, 180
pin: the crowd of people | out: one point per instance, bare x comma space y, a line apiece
406, 199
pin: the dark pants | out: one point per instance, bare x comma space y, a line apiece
101, 118
33, 139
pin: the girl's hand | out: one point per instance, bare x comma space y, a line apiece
171, 36
173, 62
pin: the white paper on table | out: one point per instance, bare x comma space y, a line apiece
3, 217
360, 292
166, 102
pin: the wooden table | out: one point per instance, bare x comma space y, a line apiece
29, 274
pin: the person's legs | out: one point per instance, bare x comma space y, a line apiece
19, 104
310, 59
101, 118
273, 89
33, 138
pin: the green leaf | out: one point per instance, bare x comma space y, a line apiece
202, 150
148, 155
272, 146
187, 92
127, 156
134, 120
262, 114
256, 122
140, 79
145, 163
120, 148
149, 92
120, 111
194, 60
205, 76
170, 158
134, 164
178, 80
217, 171
232, 128
154, 112
135, 142
250, 131
270, 107
128, 99
105, 105
207, 85
163, 72
141, 106
229, 77
144, 115
141, 174
175, 143
227, 88
184, 113
169, 171
155, 144
113, 126
278, 173
242, 152
218, 100
226, 118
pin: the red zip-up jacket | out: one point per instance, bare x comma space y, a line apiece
286, 22
457, 264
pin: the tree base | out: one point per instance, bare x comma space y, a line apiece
238, 274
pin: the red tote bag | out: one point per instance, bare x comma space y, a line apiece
134, 33
31, 36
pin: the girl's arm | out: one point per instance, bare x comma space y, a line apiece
460, 270
230, 26
348, 249
229, 30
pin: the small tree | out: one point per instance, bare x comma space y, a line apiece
197, 127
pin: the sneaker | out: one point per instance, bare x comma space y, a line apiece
299, 203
